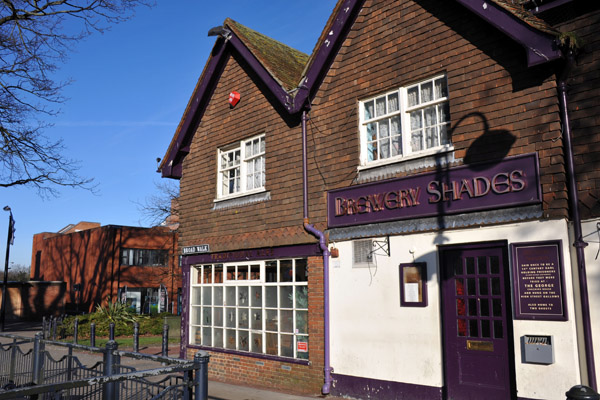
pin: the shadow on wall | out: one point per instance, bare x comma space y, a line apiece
33, 300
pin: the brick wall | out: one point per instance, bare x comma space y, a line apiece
498, 106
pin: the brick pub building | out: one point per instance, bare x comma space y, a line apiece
403, 213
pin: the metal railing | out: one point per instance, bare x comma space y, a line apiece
36, 374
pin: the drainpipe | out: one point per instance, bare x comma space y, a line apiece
579, 244
323, 244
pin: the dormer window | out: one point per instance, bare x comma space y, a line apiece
241, 168
409, 121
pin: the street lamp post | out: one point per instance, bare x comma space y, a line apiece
9, 240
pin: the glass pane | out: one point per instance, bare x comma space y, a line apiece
218, 316
396, 145
458, 267
230, 317
441, 90
384, 149
416, 140
218, 339
256, 296
498, 334
301, 321
301, 297
197, 315
271, 296
230, 340
287, 345
473, 307
473, 328
485, 329
255, 272
272, 344
462, 327
207, 296
248, 149
230, 296
243, 321
231, 273
482, 265
384, 128
206, 316
444, 137
218, 296
271, 271
372, 153
206, 336
413, 96
271, 322
196, 295
470, 261
431, 139
302, 347
496, 286
243, 296
471, 290
369, 107
243, 340
286, 271
286, 297
496, 307
207, 274
301, 271
372, 131
256, 319
460, 307
416, 120
393, 105
426, 92
443, 113
257, 345
484, 307
287, 321
262, 144
483, 286
495, 264
380, 106
460, 286
196, 336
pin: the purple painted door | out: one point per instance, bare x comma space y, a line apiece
477, 322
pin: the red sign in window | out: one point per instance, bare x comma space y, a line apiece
302, 347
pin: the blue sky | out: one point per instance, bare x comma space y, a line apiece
130, 88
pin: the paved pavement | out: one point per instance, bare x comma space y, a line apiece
216, 390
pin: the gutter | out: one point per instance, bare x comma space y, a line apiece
579, 244
323, 244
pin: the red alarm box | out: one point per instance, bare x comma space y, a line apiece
234, 97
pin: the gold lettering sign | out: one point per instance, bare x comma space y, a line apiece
480, 345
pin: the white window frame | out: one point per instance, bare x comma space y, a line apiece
214, 320
245, 168
403, 114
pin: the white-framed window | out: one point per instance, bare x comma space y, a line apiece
144, 257
241, 168
408, 121
259, 307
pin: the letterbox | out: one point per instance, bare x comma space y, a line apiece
537, 349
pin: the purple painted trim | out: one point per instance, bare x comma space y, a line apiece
410, 197
539, 46
265, 253
543, 247
367, 388
185, 311
251, 355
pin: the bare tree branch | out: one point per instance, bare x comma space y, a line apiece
161, 208
33, 41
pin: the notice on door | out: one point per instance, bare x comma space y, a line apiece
539, 284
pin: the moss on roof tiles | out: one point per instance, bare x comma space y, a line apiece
284, 63
516, 8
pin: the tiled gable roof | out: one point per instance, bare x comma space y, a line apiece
517, 9
284, 63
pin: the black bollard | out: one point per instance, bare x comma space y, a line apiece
76, 330
93, 334
111, 331
165, 339
581, 392
136, 337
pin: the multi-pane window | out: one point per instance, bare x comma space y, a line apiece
144, 257
259, 307
406, 121
242, 168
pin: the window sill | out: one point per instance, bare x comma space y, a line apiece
257, 196
252, 355
387, 168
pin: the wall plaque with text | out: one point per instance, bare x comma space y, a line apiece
539, 281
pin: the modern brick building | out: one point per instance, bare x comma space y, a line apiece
402, 214
117, 262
